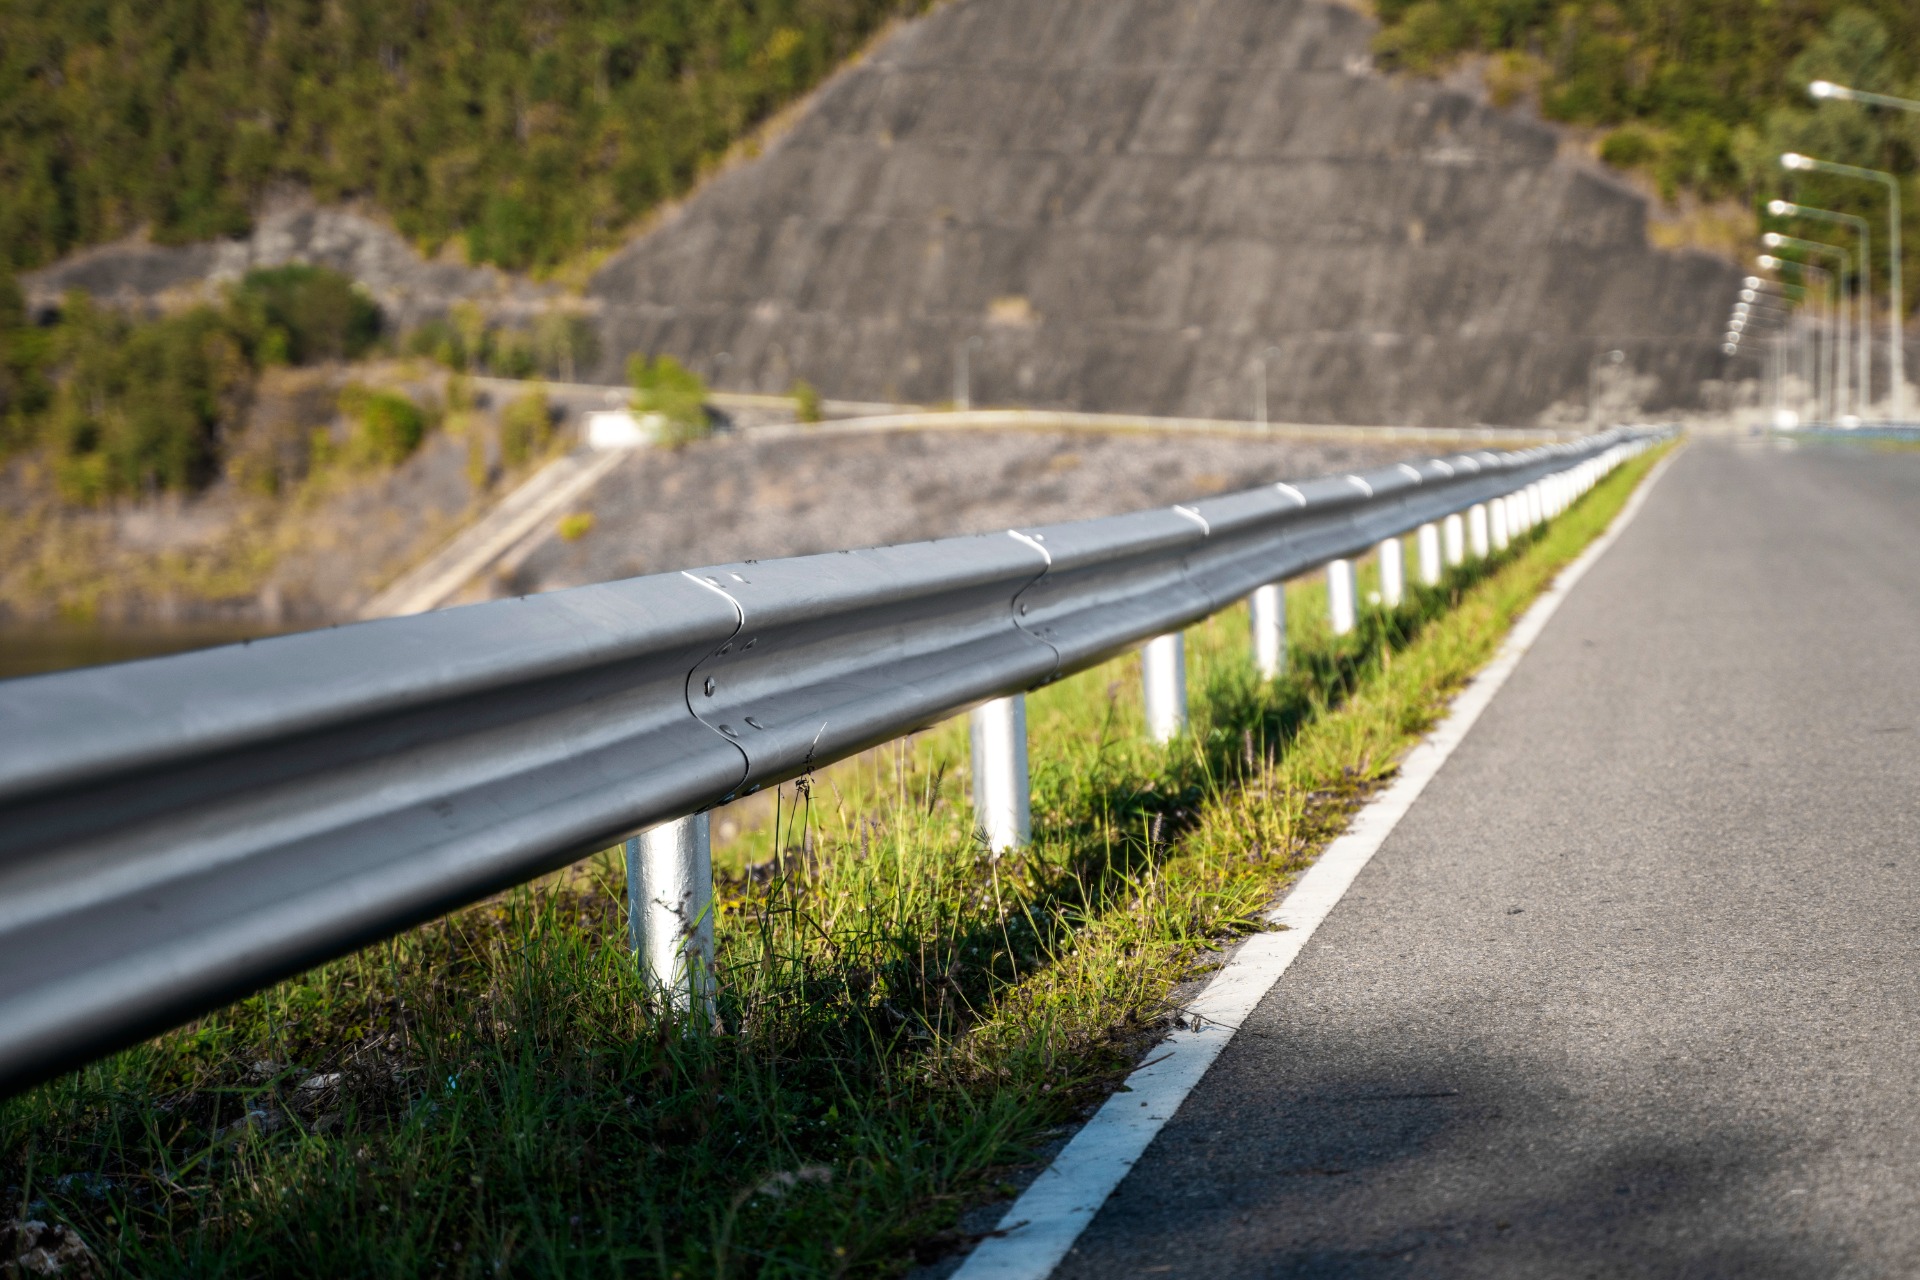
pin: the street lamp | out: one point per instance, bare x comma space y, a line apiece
1745, 324
963, 372
1260, 384
1829, 91
1836, 350
1614, 358
1897, 357
1772, 286
1807, 336
1863, 296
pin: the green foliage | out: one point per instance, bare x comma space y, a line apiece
902, 1017
806, 401
563, 343
526, 428
25, 391
124, 405
666, 387
306, 314
386, 426
531, 131
560, 344
140, 404
1701, 95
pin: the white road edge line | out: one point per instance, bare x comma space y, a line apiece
1043, 1224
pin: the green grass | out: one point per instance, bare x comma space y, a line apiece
903, 1018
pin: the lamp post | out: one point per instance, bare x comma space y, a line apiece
1755, 290
1260, 384
1836, 350
1863, 296
1810, 348
963, 373
1614, 357
1755, 285
1771, 363
1751, 309
1896, 330
1827, 90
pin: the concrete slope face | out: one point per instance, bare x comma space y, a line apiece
1631, 990
1126, 204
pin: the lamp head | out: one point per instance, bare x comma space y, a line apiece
1751, 282
1825, 89
1768, 262
1781, 208
1794, 160
1741, 308
1773, 239
1731, 348
1748, 295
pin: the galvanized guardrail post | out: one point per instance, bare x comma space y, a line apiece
1497, 524
1454, 533
670, 911
1427, 542
1340, 596
1163, 673
1477, 539
1001, 800
1267, 610
1393, 572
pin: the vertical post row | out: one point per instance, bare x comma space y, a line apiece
1001, 804
670, 910
1477, 540
1268, 610
1163, 670
1427, 541
1393, 573
1497, 523
1340, 595
1454, 532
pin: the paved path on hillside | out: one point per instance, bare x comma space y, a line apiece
1634, 990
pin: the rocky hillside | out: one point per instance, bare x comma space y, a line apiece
1130, 205
1127, 204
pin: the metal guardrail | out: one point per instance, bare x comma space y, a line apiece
177, 832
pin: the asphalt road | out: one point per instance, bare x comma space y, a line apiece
1634, 990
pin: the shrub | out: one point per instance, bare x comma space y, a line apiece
307, 314
576, 526
387, 427
437, 339
1629, 147
141, 407
806, 401
526, 427
563, 344
668, 388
